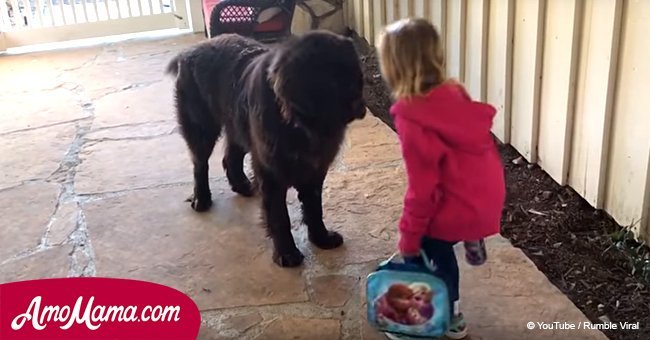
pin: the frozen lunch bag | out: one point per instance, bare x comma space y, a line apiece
408, 299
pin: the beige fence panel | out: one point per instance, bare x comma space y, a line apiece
439, 18
388, 11
594, 98
437, 15
526, 64
404, 10
645, 218
380, 17
561, 45
391, 14
359, 20
350, 14
455, 38
419, 8
369, 20
630, 140
499, 64
476, 48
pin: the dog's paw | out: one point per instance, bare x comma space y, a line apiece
199, 204
245, 189
330, 240
293, 258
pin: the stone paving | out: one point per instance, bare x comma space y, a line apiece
93, 177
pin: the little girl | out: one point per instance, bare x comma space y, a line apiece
456, 187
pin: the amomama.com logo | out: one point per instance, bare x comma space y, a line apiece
95, 308
92, 316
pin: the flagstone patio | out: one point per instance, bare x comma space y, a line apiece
93, 178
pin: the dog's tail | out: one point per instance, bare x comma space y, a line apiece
173, 66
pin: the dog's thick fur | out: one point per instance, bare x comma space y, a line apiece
288, 105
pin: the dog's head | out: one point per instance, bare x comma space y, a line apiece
318, 81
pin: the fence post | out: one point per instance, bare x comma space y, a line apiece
179, 9
194, 10
499, 64
594, 103
526, 76
455, 39
645, 211
3, 43
383, 14
476, 35
563, 26
369, 21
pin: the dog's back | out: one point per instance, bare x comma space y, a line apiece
207, 75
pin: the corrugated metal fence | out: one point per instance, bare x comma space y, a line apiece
570, 79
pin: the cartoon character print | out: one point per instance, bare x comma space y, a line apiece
394, 305
406, 305
421, 302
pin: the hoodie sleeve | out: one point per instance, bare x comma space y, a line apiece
422, 152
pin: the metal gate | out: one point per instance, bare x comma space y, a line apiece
28, 22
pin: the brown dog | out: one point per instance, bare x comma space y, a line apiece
288, 105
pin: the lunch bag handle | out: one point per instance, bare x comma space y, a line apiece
390, 263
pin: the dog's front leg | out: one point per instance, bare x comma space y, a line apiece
274, 195
310, 194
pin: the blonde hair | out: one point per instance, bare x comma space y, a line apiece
420, 287
411, 57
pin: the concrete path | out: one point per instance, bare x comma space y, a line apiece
93, 177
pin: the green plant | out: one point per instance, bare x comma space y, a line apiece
637, 253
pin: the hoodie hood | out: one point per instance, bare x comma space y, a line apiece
447, 110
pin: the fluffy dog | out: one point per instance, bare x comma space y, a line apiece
288, 105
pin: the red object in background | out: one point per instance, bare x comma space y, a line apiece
95, 308
276, 23
242, 16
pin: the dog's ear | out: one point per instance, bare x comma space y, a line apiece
282, 73
274, 77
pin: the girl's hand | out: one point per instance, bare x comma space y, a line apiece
413, 259
409, 255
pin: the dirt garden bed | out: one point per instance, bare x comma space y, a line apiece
573, 244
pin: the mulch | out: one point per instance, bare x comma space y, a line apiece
567, 239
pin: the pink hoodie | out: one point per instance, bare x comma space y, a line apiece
456, 188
